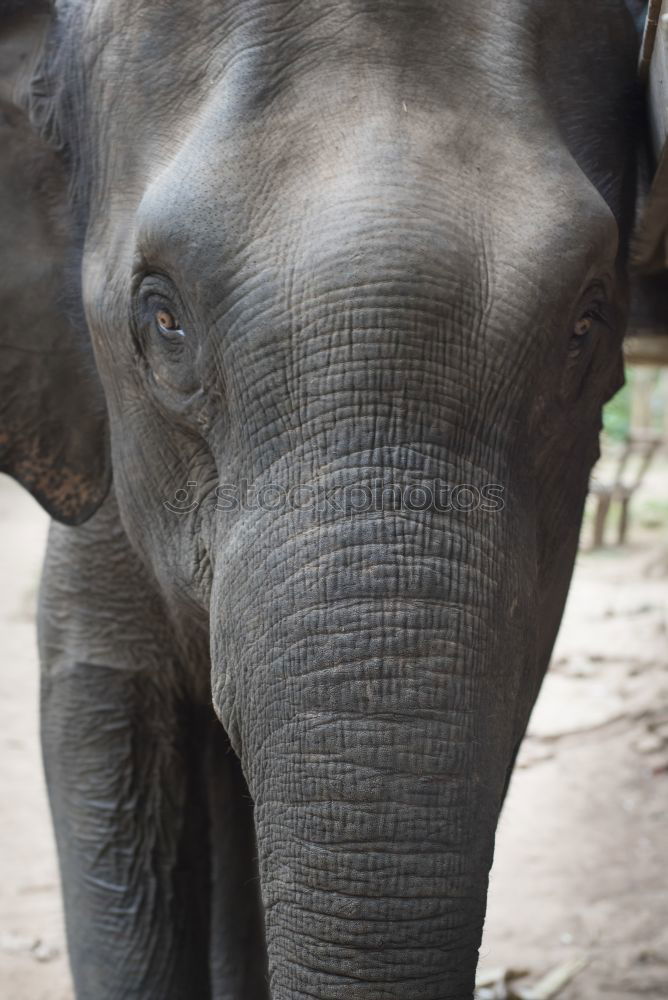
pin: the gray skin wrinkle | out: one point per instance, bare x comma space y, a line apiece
277, 741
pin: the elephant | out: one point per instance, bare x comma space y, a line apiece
275, 277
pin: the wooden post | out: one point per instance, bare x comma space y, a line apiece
642, 391
602, 508
649, 35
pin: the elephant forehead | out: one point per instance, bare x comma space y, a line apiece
388, 210
150, 60
258, 170
208, 112
154, 72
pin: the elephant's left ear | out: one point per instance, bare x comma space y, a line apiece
53, 425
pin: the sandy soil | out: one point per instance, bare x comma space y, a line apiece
582, 848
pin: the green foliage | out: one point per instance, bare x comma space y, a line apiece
617, 413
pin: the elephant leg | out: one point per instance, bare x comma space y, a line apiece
238, 949
125, 734
128, 798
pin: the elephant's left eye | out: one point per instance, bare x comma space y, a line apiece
583, 326
591, 318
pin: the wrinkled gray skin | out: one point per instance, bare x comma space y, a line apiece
379, 225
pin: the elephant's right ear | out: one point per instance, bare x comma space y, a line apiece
53, 424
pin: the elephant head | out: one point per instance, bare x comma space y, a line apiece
342, 253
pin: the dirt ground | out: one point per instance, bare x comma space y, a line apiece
582, 848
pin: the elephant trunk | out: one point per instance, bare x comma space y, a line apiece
375, 828
372, 704
369, 632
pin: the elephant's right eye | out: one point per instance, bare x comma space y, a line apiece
167, 324
160, 321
